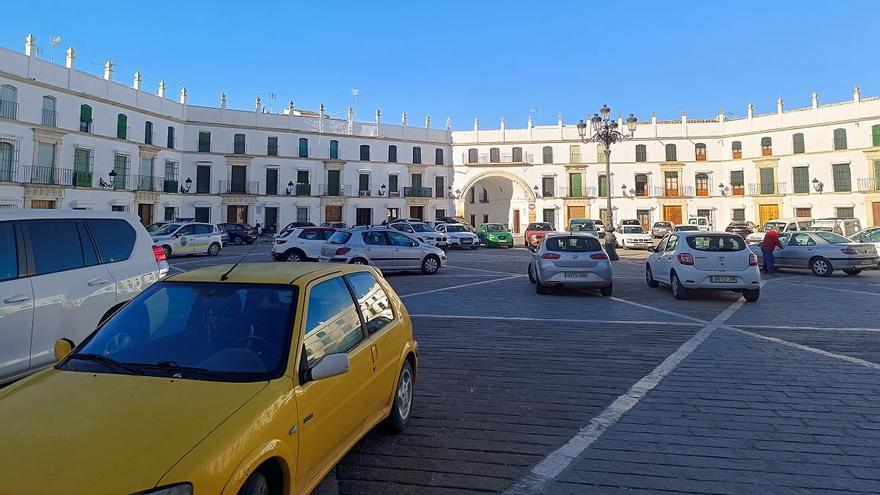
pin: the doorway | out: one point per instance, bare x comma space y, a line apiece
145, 211
767, 213
644, 217
550, 216
516, 221
237, 213
271, 219
364, 216
417, 212
672, 214
875, 208
332, 213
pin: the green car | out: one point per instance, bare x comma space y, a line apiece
495, 235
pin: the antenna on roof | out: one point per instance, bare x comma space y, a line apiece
251, 250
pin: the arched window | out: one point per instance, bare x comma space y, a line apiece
641, 153
438, 156
171, 139
334, 149
671, 154
797, 142
548, 154
49, 114
417, 154
702, 183
517, 155
473, 155
700, 151
875, 135
148, 132
766, 146
121, 126
85, 118
840, 139
303, 151
365, 152
484, 195
7, 159
494, 155
737, 148
641, 184
392, 153
8, 101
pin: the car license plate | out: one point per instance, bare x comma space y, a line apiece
723, 279
324, 260
466, 241
866, 262
577, 275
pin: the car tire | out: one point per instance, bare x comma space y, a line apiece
475, 246
541, 288
358, 261
256, 484
237, 241
430, 265
678, 291
821, 267
401, 406
167, 250
606, 291
531, 275
649, 277
751, 295
213, 249
294, 256
852, 271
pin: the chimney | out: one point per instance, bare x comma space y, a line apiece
290, 107
222, 101
403, 119
321, 111
137, 81
427, 121
108, 70
161, 89
476, 124
721, 115
529, 124
350, 114
70, 57
559, 121
258, 104
448, 124
815, 99
857, 94
779, 105
378, 116
30, 45
750, 111
684, 122
183, 96
502, 124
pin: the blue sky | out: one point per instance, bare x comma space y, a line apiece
475, 58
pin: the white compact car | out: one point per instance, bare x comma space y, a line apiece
62, 272
783, 225
189, 238
459, 236
704, 260
301, 244
702, 223
633, 237
423, 232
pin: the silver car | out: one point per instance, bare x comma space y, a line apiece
822, 253
570, 260
384, 248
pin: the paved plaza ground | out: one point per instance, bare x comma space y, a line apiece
636, 393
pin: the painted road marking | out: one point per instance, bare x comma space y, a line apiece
562, 320
802, 347
851, 291
432, 291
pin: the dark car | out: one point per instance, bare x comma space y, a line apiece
237, 233
741, 228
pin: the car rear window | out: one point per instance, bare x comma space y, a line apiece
633, 229
539, 226
339, 237
720, 243
573, 244
115, 238
833, 238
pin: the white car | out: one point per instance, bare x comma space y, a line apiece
189, 238
459, 236
868, 236
633, 237
301, 244
784, 225
702, 223
62, 273
704, 260
423, 232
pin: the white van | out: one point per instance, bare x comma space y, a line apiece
702, 223
80, 266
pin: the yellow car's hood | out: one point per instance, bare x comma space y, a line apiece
64, 432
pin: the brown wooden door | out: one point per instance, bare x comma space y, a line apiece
332, 213
577, 212
516, 220
417, 212
145, 211
237, 213
672, 214
876, 210
767, 213
48, 204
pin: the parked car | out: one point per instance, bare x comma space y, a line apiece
153, 227
335, 225
423, 233
741, 228
843, 226
704, 260
630, 221
384, 248
583, 225
633, 237
189, 238
301, 244
661, 229
601, 226
293, 225
495, 235
460, 221
233, 386
459, 235
822, 253
686, 227
61, 273
237, 233
702, 223
783, 225
535, 232
868, 236
570, 260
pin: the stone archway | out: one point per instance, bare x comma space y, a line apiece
513, 178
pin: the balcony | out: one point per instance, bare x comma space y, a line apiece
290, 189
50, 118
418, 192
487, 159
332, 190
575, 158
867, 184
393, 194
85, 126
239, 187
577, 192
8, 109
53, 176
548, 193
737, 190
766, 188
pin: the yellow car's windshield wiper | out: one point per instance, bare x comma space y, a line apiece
110, 363
179, 371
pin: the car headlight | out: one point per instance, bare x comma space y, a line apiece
178, 489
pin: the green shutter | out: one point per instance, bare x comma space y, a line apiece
333, 182
85, 113
121, 126
875, 135
574, 183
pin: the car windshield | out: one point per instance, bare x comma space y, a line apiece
832, 238
421, 227
687, 228
155, 227
633, 229
582, 225
722, 243
496, 227
168, 229
339, 237
572, 244
455, 228
770, 225
663, 225
192, 330
539, 226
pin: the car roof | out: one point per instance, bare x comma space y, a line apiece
790, 219
39, 214
263, 273
569, 234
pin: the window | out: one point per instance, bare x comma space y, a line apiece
494, 155
82, 167
471, 196
517, 155
7, 161
700, 152
398, 239
803, 212
842, 179
485, 218
575, 185
484, 195
393, 186
373, 301
737, 148
85, 118
392, 153
840, 139
171, 139
8, 101
845, 212
641, 153
332, 324
271, 181
203, 214
797, 143
603, 185
473, 155
46, 236
702, 183
417, 154
439, 186
44, 174
766, 146
121, 126
574, 154
671, 154
438, 156
364, 184
272, 145
737, 183
549, 216
439, 213
50, 116
121, 165
203, 179
334, 149
204, 142
8, 252
600, 153
114, 238
548, 154
875, 135
238, 144
671, 179
768, 179
717, 243
738, 214
800, 178
641, 184
548, 186
170, 213
302, 213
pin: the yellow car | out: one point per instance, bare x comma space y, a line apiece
254, 381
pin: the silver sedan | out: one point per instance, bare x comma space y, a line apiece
570, 260
822, 253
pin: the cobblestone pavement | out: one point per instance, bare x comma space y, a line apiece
637, 393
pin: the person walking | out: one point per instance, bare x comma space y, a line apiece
770, 242
611, 243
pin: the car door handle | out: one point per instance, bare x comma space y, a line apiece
17, 298
95, 282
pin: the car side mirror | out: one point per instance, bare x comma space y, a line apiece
329, 366
62, 348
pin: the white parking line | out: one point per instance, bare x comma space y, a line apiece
479, 270
670, 313
556, 462
830, 329
802, 347
563, 320
460, 286
851, 291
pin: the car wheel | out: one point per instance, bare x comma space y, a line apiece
237, 241
401, 409
852, 271
213, 249
294, 257
475, 246
649, 277
752, 295
430, 265
821, 267
606, 291
531, 275
539, 287
358, 261
678, 291
256, 484
167, 250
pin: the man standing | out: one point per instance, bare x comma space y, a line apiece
611, 243
770, 242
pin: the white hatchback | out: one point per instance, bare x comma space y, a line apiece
189, 238
704, 260
62, 273
301, 244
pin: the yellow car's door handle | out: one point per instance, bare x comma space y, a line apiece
375, 352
